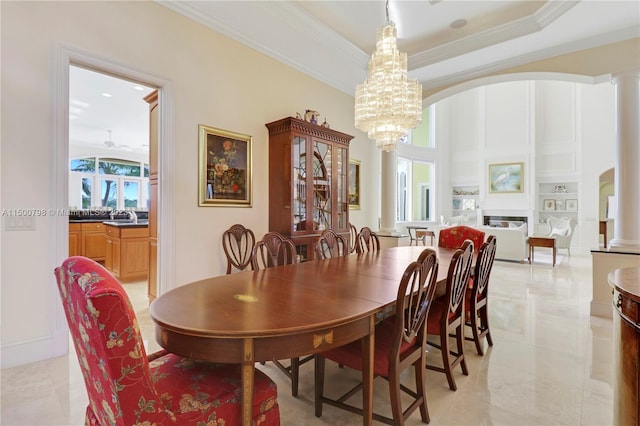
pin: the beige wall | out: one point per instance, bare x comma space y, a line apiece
215, 81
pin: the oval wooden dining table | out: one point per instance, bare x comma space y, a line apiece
285, 312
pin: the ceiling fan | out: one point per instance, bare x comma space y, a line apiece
111, 144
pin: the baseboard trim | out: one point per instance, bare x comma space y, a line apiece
27, 352
602, 310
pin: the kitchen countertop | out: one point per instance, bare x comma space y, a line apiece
140, 224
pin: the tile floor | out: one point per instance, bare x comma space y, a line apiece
551, 363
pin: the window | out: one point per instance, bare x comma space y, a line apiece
425, 202
414, 190
424, 134
119, 167
115, 183
416, 171
131, 194
87, 187
402, 196
83, 165
109, 193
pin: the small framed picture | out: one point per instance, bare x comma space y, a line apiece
559, 204
549, 205
354, 184
571, 205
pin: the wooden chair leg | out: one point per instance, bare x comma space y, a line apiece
475, 329
421, 375
460, 345
444, 341
395, 397
484, 323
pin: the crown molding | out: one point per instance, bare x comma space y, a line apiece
509, 31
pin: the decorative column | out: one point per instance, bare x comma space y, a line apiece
388, 197
626, 226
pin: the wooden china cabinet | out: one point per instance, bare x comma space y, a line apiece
308, 182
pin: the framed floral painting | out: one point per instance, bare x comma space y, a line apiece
224, 168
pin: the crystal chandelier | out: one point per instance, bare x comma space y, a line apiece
388, 105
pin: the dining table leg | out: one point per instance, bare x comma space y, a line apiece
248, 371
368, 350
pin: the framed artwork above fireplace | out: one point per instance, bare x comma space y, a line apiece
506, 178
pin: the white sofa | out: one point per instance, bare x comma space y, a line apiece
511, 243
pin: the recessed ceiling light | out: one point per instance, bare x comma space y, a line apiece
138, 88
458, 23
106, 95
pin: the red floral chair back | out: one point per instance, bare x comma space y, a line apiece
454, 237
124, 388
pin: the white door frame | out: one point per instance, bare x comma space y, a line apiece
65, 57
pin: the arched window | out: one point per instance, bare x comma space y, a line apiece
114, 183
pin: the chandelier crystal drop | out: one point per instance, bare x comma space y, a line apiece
387, 104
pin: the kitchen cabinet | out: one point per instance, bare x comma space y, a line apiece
152, 286
93, 240
112, 255
75, 239
127, 251
308, 186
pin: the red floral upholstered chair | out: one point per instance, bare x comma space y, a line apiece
454, 237
128, 388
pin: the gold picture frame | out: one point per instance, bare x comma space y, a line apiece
354, 184
224, 172
505, 178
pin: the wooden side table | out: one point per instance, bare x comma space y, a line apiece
542, 242
420, 233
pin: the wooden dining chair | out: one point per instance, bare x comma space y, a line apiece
277, 250
477, 297
330, 244
125, 386
400, 343
454, 236
238, 243
367, 241
274, 249
353, 238
446, 317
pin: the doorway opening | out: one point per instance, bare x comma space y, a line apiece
108, 171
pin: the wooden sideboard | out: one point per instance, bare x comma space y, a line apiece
626, 322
